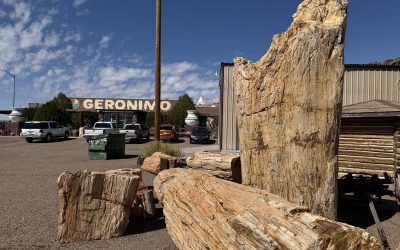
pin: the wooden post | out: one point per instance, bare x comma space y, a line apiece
396, 153
157, 88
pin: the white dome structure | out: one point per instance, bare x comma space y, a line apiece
15, 116
200, 101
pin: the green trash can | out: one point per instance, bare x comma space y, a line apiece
104, 147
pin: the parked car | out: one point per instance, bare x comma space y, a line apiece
135, 132
168, 133
200, 135
43, 130
100, 128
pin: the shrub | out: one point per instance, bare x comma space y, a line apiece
166, 148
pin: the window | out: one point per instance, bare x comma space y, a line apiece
35, 125
131, 126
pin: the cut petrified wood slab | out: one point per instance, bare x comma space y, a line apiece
94, 205
205, 212
289, 105
154, 164
224, 165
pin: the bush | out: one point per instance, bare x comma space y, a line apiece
166, 148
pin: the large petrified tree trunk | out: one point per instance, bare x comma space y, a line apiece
205, 212
289, 106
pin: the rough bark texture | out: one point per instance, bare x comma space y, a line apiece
224, 165
288, 108
204, 212
153, 164
94, 205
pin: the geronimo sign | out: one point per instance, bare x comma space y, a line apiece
93, 104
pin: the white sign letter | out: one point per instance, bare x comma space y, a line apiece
88, 104
165, 105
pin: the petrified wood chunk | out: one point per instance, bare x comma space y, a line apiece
94, 205
154, 164
205, 212
224, 165
289, 105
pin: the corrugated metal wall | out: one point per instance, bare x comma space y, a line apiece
363, 84
230, 135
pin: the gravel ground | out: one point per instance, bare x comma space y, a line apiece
29, 202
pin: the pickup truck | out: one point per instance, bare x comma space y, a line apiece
135, 132
100, 128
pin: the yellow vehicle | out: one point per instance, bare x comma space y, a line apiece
168, 133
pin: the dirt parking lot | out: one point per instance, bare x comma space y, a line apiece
29, 202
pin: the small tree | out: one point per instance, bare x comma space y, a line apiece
29, 113
179, 112
55, 110
150, 119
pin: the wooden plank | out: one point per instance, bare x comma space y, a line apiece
366, 141
388, 137
343, 170
365, 153
373, 160
372, 148
363, 165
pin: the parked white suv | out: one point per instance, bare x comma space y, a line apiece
44, 130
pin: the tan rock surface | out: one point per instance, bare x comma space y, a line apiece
225, 165
94, 205
205, 212
289, 106
152, 163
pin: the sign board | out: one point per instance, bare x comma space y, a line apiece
108, 104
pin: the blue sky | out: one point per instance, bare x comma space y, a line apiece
104, 48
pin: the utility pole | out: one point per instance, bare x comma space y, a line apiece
157, 88
13, 75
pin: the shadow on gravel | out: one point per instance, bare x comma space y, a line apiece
54, 140
356, 212
130, 156
145, 226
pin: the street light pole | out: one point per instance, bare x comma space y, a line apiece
13, 75
157, 88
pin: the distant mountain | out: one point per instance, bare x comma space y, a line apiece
393, 61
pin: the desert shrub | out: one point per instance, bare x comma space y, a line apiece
166, 148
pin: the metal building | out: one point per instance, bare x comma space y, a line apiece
362, 83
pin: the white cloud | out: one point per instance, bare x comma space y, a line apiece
22, 11
178, 68
76, 37
78, 3
105, 41
51, 40
34, 34
111, 75
51, 83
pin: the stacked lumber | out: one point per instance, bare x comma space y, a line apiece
366, 154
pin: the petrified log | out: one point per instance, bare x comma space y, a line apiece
288, 106
154, 164
205, 212
224, 165
94, 205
